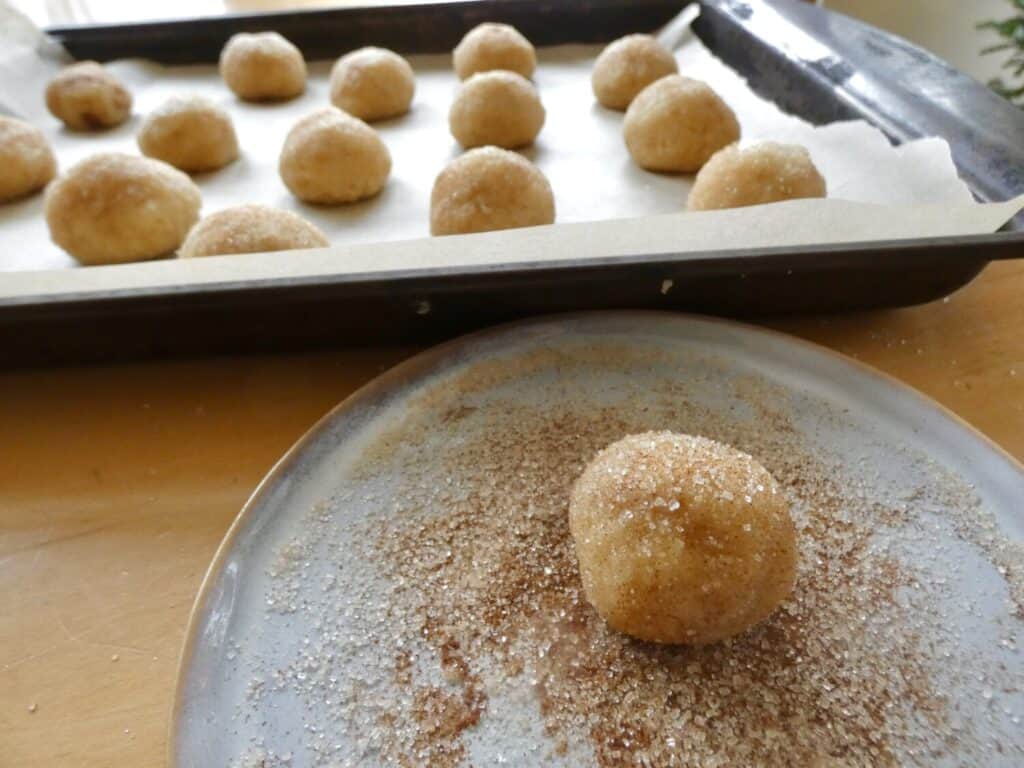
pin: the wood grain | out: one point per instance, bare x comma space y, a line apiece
117, 484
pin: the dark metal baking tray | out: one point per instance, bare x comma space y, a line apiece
802, 57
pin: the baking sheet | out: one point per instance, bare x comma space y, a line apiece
580, 150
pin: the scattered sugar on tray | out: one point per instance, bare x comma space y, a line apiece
483, 596
258, 757
605, 667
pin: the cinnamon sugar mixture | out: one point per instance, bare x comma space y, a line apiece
453, 630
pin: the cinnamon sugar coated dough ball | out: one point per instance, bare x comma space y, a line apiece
25, 157
498, 108
488, 189
627, 66
372, 84
332, 157
87, 97
494, 46
676, 124
112, 208
250, 229
681, 539
262, 67
764, 173
191, 133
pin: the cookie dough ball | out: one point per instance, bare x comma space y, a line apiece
487, 189
26, 158
262, 67
86, 97
250, 229
190, 133
494, 46
372, 84
764, 173
332, 157
112, 208
676, 124
499, 108
681, 539
627, 66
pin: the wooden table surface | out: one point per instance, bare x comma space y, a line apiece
117, 484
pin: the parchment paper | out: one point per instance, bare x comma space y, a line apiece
798, 222
580, 150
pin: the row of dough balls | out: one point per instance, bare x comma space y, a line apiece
494, 60
493, 107
370, 84
89, 217
677, 124
115, 207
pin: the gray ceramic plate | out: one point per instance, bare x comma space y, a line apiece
401, 589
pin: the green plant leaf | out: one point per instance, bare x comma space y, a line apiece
997, 48
1004, 28
1011, 30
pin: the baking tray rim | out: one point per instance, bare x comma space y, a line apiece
740, 261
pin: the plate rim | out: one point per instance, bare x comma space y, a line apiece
428, 357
